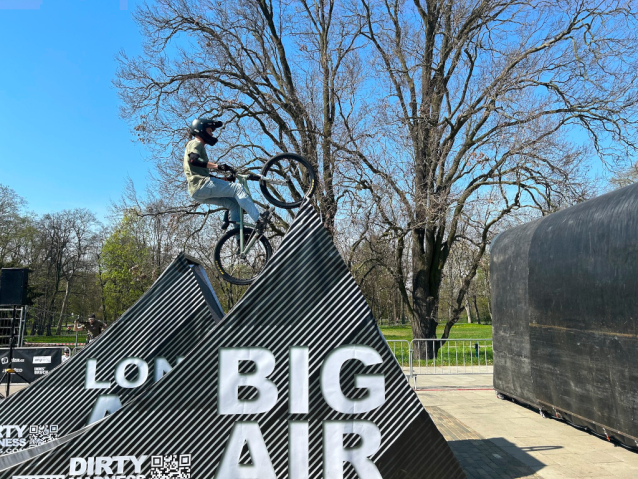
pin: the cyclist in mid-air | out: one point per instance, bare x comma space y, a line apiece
206, 189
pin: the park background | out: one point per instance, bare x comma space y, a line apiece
423, 158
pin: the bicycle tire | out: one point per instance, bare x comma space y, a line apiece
229, 271
302, 172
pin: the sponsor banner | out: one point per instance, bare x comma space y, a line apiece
39, 477
30, 363
42, 360
16, 437
125, 360
297, 381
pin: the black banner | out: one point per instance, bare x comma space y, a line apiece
30, 363
565, 314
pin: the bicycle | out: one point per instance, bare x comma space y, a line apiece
285, 180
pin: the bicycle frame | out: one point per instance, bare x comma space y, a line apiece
285, 181
244, 249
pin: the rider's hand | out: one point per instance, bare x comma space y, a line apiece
225, 167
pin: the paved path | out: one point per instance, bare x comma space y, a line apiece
500, 439
14, 388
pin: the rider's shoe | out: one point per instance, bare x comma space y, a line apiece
264, 219
227, 223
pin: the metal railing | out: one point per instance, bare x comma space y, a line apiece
402, 350
6, 318
76, 350
450, 356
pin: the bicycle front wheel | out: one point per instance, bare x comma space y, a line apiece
235, 267
287, 180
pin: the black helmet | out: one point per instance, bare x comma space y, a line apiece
198, 128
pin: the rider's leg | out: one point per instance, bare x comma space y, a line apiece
245, 201
229, 203
216, 188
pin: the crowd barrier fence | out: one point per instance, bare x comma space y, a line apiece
421, 357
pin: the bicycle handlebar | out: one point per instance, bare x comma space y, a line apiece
230, 176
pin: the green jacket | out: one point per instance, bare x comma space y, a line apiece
195, 175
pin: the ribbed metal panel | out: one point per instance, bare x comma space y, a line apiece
305, 297
167, 322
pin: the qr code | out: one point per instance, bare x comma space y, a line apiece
172, 466
42, 434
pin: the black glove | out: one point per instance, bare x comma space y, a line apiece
225, 167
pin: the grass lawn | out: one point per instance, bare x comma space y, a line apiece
452, 353
67, 338
459, 330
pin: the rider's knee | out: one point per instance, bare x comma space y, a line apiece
237, 188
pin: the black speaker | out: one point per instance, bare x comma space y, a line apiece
13, 286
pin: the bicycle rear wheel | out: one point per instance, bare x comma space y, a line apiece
288, 180
231, 266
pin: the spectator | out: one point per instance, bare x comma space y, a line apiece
93, 327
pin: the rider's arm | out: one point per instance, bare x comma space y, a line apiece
195, 160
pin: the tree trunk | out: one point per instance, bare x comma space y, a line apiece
36, 320
49, 324
402, 310
58, 330
102, 284
49, 313
448, 326
394, 307
478, 315
425, 295
467, 310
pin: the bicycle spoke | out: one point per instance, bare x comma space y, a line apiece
246, 266
296, 179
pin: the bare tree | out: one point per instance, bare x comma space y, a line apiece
281, 75
65, 240
434, 120
625, 176
491, 106
77, 259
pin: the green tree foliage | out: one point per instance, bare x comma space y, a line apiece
17, 231
124, 271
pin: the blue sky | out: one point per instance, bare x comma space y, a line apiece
62, 143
